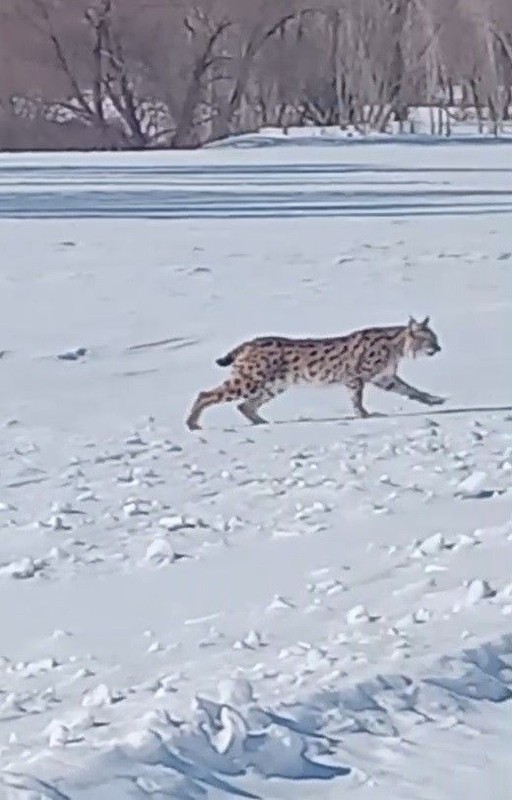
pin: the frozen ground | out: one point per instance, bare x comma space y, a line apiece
313, 609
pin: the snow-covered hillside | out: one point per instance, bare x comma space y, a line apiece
318, 608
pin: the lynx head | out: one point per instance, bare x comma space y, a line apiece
420, 338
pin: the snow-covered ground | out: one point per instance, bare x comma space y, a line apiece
319, 608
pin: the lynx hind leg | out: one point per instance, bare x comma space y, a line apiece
231, 389
249, 408
253, 402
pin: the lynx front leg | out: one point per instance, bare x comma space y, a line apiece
355, 387
392, 383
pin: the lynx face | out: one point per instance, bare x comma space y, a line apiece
422, 341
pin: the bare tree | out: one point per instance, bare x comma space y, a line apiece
175, 73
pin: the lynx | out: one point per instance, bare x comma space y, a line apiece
267, 366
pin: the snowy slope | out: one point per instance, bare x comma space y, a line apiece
316, 608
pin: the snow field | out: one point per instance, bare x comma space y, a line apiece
317, 608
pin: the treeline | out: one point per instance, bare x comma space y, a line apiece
168, 73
